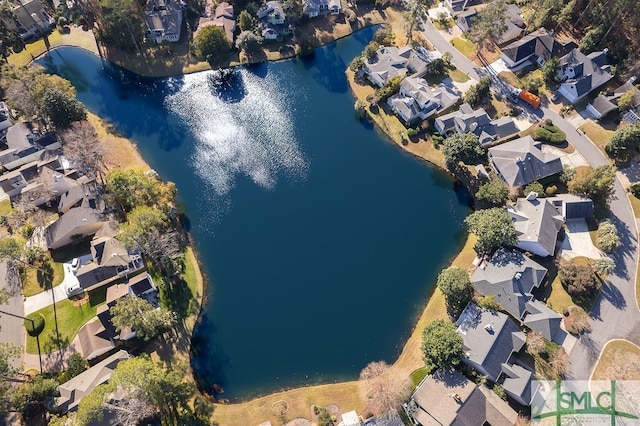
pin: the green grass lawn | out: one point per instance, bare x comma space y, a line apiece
5, 206
70, 319
510, 78
465, 47
450, 23
418, 375
34, 281
458, 76
35, 49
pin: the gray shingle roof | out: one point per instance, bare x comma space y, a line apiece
536, 220
542, 319
517, 381
603, 105
588, 72
77, 216
521, 161
510, 276
489, 338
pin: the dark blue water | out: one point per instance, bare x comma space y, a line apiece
321, 239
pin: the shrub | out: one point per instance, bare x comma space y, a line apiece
608, 238
576, 320
371, 49
499, 390
411, 132
489, 302
357, 64
549, 133
635, 189
35, 327
536, 187
579, 280
551, 191
494, 192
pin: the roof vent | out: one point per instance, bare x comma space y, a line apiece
489, 328
518, 275
532, 196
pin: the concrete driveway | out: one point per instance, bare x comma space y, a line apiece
574, 159
44, 299
577, 242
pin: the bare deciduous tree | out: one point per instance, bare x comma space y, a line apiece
82, 148
535, 343
384, 391
560, 361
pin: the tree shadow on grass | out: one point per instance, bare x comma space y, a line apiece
44, 276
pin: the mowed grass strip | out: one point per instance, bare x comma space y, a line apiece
70, 319
35, 282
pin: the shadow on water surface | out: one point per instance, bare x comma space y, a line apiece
259, 70
208, 359
227, 85
329, 69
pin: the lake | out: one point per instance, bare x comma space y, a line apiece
321, 239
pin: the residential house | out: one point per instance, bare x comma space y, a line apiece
222, 17
605, 104
456, 6
491, 339
100, 336
273, 21
537, 222
390, 62
417, 100
540, 45
31, 20
76, 224
5, 120
164, 20
478, 122
25, 145
447, 398
510, 276
580, 74
513, 20
521, 161
109, 260
72, 391
314, 8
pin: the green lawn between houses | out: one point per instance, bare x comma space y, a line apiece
70, 319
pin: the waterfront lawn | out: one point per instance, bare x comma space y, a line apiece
613, 354
120, 152
419, 375
34, 281
5, 207
72, 315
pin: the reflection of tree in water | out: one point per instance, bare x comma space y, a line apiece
208, 360
227, 85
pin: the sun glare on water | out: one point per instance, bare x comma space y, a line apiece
245, 129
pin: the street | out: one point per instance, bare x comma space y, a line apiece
11, 328
615, 313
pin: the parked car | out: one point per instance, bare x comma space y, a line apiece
74, 289
75, 264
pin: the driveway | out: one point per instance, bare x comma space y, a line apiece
44, 299
574, 159
615, 313
578, 241
12, 328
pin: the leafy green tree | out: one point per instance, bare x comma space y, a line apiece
8, 353
624, 143
604, 265
120, 24
246, 21
489, 25
536, 187
418, 12
628, 99
211, 44
494, 192
478, 93
546, 15
494, 229
356, 64
608, 239
590, 41
456, 286
579, 280
441, 345
370, 50
499, 390
139, 315
77, 364
149, 230
461, 147
9, 37
550, 70
147, 387
596, 184
36, 390
533, 84
489, 302
132, 189
61, 109
249, 43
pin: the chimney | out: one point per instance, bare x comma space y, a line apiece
532, 196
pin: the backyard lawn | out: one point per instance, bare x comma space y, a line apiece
35, 281
72, 315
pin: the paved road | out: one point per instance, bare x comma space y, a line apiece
615, 313
12, 328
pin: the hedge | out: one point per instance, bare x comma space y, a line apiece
549, 133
